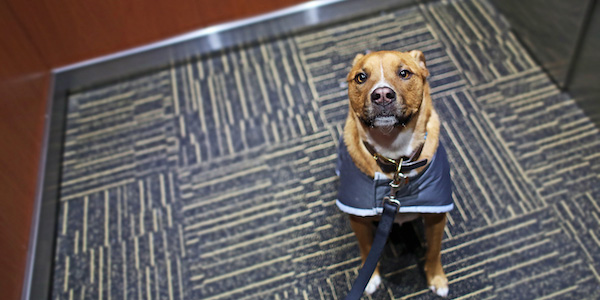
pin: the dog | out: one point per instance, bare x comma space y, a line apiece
391, 117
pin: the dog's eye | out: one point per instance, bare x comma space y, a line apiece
405, 74
360, 78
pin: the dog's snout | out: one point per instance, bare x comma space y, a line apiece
383, 96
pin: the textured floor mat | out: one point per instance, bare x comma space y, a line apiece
214, 178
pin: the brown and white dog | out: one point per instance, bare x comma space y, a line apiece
391, 110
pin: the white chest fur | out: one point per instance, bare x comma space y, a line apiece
391, 146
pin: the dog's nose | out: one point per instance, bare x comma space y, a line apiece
383, 96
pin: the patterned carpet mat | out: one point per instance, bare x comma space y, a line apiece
214, 178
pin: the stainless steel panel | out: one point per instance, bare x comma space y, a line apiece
550, 29
584, 84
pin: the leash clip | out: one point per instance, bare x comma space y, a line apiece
399, 176
399, 179
393, 201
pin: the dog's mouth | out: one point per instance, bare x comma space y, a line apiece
392, 115
386, 120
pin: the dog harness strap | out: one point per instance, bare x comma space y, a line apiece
381, 236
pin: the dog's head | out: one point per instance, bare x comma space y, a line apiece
386, 88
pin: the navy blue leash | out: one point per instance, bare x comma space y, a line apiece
383, 230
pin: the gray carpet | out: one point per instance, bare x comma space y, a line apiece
214, 178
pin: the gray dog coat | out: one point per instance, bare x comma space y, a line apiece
362, 195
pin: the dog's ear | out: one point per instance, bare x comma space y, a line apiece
419, 58
357, 58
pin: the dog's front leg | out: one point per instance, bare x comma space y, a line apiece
434, 232
363, 229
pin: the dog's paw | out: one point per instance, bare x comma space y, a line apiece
439, 285
373, 284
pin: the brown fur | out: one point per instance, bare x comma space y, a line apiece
412, 99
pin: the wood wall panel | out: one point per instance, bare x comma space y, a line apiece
39, 35
23, 80
68, 31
